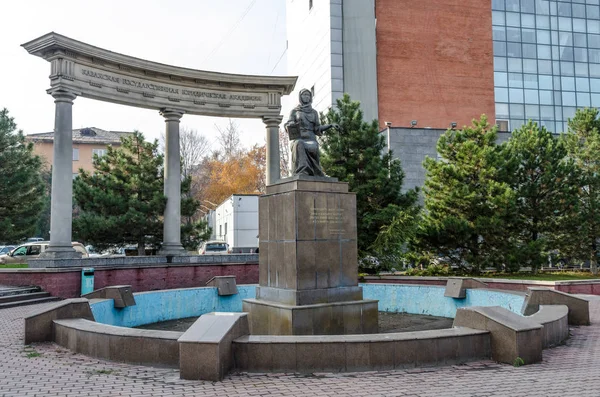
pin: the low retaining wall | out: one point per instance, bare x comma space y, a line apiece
134, 346
360, 352
141, 260
591, 286
66, 282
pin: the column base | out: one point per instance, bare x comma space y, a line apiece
342, 318
60, 252
173, 249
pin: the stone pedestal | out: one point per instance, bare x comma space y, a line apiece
308, 266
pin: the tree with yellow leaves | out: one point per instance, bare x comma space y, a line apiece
242, 173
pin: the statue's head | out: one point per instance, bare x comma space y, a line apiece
305, 96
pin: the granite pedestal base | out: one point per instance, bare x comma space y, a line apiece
308, 267
341, 318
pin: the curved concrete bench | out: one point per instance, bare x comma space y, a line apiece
554, 318
579, 310
512, 336
340, 353
135, 346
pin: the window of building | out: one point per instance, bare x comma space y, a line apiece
312, 91
225, 229
99, 152
75, 154
546, 60
75, 175
502, 125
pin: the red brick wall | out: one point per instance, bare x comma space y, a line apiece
434, 62
67, 284
591, 289
492, 284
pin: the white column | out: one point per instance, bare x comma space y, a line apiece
172, 218
61, 210
273, 172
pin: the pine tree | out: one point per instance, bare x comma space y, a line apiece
355, 154
545, 185
466, 202
21, 186
583, 146
192, 232
122, 202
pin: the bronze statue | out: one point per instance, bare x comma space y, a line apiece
303, 127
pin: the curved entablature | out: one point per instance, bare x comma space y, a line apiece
96, 73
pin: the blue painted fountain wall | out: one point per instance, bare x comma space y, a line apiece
156, 306
430, 300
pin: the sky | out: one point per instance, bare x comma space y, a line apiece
230, 36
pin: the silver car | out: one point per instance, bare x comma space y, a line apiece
33, 250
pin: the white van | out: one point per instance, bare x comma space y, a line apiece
214, 247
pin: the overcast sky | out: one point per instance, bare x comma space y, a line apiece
233, 36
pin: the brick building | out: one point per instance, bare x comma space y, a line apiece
86, 143
434, 64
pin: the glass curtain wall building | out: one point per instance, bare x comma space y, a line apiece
546, 60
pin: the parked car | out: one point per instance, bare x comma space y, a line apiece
243, 250
5, 249
94, 253
214, 247
26, 251
132, 250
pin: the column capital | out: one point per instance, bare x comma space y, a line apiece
62, 95
272, 121
171, 114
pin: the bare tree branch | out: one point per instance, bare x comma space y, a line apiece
193, 148
229, 139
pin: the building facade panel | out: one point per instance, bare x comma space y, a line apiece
412, 146
434, 62
360, 55
311, 30
546, 60
236, 221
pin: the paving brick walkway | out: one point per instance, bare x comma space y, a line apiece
49, 370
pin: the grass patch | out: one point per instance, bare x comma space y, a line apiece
542, 276
14, 266
101, 372
30, 352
